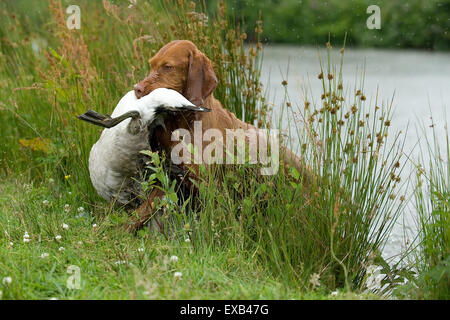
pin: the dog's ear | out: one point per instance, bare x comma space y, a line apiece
201, 79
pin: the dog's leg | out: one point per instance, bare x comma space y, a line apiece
145, 212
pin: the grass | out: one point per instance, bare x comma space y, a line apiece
113, 264
250, 236
432, 194
99, 253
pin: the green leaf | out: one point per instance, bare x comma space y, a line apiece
294, 173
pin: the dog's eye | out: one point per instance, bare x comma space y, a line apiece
167, 67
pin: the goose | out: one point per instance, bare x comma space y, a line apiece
115, 159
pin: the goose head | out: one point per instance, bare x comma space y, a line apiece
160, 102
146, 111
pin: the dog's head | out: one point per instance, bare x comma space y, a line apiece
180, 66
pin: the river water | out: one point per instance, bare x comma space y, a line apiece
417, 83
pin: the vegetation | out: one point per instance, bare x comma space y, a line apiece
432, 196
248, 236
404, 24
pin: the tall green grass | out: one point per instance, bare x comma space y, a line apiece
432, 200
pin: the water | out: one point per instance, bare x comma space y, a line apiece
417, 81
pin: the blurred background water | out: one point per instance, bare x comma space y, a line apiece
416, 82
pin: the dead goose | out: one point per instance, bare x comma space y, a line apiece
114, 158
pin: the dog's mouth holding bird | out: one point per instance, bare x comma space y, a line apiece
164, 106
146, 112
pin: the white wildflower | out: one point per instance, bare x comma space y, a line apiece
58, 237
66, 207
94, 225
177, 275
173, 259
187, 240
44, 255
45, 202
132, 3
140, 249
61, 249
26, 237
65, 226
315, 280
7, 280
80, 210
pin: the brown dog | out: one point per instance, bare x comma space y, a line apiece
180, 66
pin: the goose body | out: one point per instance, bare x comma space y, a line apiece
114, 159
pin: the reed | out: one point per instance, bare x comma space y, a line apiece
431, 254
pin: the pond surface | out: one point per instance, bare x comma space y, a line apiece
417, 83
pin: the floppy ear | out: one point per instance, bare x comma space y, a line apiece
201, 79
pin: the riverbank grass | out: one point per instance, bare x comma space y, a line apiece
431, 259
113, 264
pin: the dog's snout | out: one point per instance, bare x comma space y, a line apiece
139, 90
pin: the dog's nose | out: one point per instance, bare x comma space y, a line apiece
139, 90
